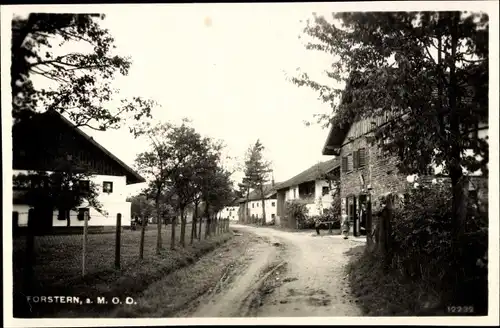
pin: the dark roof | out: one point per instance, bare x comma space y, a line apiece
131, 175
338, 131
269, 191
311, 174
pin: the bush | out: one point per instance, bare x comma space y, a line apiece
298, 210
421, 240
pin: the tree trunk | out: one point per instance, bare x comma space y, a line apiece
143, 231
263, 204
195, 222
199, 228
66, 214
208, 224
183, 228
246, 207
158, 226
172, 235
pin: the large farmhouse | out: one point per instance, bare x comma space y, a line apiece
37, 145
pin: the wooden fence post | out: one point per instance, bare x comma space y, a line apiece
30, 253
84, 247
118, 240
143, 231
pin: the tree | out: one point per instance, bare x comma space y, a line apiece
157, 165
61, 190
428, 68
192, 151
257, 172
244, 188
141, 206
79, 83
207, 165
45, 78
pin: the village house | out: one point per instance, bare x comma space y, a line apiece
229, 212
253, 205
367, 174
31, 153
312, 186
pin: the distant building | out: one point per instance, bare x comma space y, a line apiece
229, 212
109, 173
312, 186
250, 210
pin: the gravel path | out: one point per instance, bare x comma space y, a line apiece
310, 282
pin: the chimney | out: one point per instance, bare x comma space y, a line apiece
272, 180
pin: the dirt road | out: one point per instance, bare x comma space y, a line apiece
286, 274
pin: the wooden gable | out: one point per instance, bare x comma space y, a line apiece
47, 141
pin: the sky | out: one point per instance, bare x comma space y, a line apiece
226, 71
225, 68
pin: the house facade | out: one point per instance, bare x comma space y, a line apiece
38, 146
250, 210
229, 212
367, 173
312, 186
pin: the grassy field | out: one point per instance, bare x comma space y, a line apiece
58, 267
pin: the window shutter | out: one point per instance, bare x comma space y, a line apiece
362, 157
355, 159
344, 164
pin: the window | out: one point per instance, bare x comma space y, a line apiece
257, 204
107, 186
362, 157
273, 216
253, 205
347, 163
82, 211
294, 193
325, 190
273, 204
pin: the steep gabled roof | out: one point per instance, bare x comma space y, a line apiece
131, 175
312, 173
269, 191
339, 130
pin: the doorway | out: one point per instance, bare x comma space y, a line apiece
363, 214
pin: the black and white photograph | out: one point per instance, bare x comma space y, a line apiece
250, 163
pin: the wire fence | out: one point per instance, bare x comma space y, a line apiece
51, 259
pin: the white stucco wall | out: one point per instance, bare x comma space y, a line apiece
229, 212
320, 201
255, 208
112, 204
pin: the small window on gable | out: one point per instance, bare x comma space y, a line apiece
325, 190
107, 187
273, 204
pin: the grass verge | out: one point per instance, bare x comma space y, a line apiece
58, 270
179, 293
382, 293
